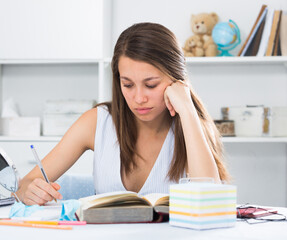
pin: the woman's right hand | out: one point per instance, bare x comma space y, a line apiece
39, 192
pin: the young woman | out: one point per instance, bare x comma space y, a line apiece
155, 130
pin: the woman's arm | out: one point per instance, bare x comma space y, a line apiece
200, 160
79, 138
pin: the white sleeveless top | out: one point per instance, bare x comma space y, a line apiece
107, 164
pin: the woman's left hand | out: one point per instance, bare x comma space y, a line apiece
177, 98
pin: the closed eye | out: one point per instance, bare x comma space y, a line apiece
127, 85
151, 86
131, 85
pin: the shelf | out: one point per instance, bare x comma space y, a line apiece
224, 139
238, 60
49, 61
30, 139
254, 139
195, 60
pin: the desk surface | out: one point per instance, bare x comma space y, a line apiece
242, 230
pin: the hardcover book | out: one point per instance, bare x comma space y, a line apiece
266, 32
274, 31
258, 22
124, 207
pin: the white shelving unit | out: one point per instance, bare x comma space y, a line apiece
103, 79
257, 164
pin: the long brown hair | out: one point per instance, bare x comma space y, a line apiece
155, 44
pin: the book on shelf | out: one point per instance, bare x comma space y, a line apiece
266, 37
266, 33
252, 50
283, 34
273, 33
124, 207
260, 18
277, 48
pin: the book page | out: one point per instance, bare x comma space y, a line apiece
283, 34
112, 199
157, 199
97, 196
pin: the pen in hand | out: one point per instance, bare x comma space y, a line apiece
40, 165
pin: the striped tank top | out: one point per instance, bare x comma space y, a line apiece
107, 164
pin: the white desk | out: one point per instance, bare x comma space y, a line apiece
242, 230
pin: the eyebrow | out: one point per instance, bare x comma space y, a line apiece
145, 80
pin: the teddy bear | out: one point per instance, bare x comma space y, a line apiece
202, 25
193, 47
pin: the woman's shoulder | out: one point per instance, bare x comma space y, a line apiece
90, 114
95, 111
94, 117
102, 108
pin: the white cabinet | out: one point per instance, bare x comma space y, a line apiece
55, 29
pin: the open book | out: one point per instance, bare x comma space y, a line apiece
124, 207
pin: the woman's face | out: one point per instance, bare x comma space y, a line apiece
143, 87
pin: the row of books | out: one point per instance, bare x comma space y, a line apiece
268, 36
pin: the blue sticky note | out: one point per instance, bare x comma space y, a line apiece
69, 208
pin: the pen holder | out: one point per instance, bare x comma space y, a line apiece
202, 205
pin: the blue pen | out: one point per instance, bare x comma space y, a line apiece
40, 165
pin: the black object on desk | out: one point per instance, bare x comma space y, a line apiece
6, 201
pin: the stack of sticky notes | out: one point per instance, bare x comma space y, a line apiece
200, 205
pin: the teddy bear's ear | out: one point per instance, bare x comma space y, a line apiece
214, 16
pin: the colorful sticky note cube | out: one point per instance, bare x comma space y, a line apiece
202, 205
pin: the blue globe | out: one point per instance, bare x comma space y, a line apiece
226, 36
